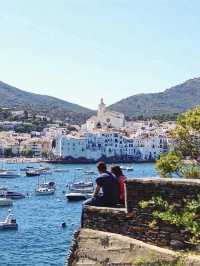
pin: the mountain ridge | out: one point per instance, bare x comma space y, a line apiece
176, 99
13, 97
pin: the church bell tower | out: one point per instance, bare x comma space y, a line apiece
102, 108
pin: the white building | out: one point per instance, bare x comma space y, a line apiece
110, 144
104, 119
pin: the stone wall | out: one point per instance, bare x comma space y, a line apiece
136, 222
173, 190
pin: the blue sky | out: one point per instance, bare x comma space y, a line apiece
82, 50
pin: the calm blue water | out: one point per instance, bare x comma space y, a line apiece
40, 240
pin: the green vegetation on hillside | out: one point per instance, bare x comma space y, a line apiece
175, 100
12, 97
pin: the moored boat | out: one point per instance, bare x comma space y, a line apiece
89, 172
43, 191
33, 173
5, 193
129, 168
122, 167
77, 196
46, 188
28, 168
9, 223
44, 170
60, 170
80, 190
4, 202
9, 174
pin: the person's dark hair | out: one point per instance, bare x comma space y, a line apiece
101, 167
116, 170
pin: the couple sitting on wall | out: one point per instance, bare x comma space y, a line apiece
109, 191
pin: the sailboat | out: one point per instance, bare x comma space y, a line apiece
8, 173
45, 188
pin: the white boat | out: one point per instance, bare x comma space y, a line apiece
44, 170
5, 202
60, 170
89, 172
9, 174
80, 190
126, 168
34, 172
5, 193
43, 191
76, 196
9, 223
129, 168
122, 167
45, 188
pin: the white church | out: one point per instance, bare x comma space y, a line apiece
104, 119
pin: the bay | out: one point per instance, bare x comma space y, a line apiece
40, 239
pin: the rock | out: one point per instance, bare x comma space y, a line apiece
176, 244
177, 236
167, 228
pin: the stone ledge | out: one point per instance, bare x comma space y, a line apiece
105, 209
174, 181
101, 248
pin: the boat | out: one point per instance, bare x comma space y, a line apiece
44, 170
5, 193
60, 170
28, 168
33, 173
82, 184
38, 171
122, 167
129, 168
77, 196
9, 223
43, 191
79, 169
126, 168
80, 190
9, 174
46, 188
89, 172
4, 202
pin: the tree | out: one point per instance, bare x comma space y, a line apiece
45, 154
27, 152
169, 164
185, 153
8, 152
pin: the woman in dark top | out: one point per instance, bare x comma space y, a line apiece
116, 170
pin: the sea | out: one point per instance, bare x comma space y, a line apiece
40, 239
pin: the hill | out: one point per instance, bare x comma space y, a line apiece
46, 105
174, 100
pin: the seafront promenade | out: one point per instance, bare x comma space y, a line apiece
15, 160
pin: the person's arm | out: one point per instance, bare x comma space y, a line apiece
96, 191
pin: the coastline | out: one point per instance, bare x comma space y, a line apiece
14, 160
88, 161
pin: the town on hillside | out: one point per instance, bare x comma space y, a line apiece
105, 136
